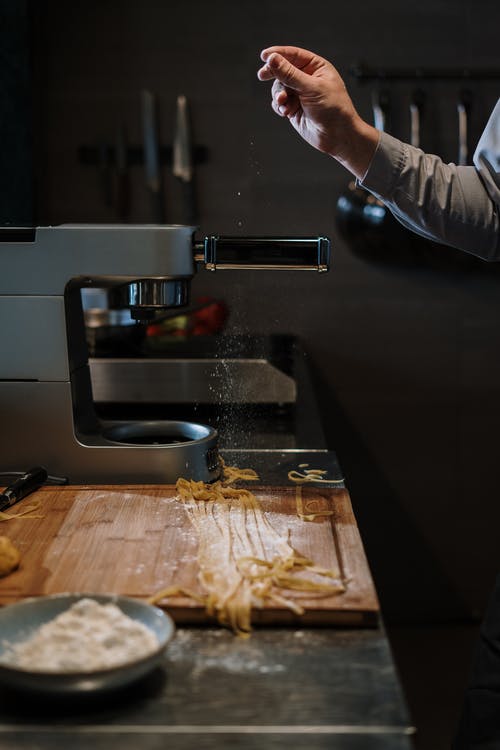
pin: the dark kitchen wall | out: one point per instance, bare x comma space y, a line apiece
406, 361
16, 156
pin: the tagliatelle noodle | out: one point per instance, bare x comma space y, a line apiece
28, 511
232, 473
306, 513
312, 475
243, 562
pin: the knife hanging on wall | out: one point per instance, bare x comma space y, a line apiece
183, 162
152, 156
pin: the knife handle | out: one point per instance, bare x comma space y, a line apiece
28, 482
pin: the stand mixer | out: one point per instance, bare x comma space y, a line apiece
48, 415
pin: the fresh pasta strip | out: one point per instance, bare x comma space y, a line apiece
232, 473
311, 475
175, 591
306, 513
243, 562
28, 511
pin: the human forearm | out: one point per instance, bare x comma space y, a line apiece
457, 206
441, 201
355, 149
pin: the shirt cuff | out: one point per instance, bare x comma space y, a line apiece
386, 166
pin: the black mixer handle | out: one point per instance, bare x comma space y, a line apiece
266, 253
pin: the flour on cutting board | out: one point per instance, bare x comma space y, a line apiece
115, 525
136, 541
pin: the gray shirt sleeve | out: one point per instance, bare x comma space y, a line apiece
454, 205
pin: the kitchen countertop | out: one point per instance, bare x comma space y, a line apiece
323, 687
272, 465
308, 688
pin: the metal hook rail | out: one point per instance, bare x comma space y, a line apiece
366, 73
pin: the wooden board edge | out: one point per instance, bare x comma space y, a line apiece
185, 616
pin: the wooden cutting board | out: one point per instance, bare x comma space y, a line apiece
136, 540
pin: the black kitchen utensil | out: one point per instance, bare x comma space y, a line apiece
23, 486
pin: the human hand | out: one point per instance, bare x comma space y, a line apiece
309, 91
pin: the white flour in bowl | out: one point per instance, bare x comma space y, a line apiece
87, 637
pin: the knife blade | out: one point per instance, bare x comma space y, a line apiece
29, 482
183, 161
